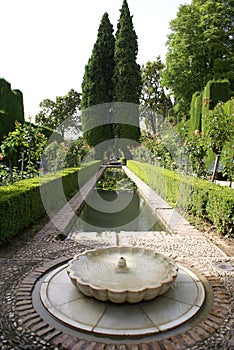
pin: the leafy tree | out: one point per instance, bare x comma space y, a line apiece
196, 145
54, 114
77, 151
228, 163
28, 143
160, 155
220, 130
200, 48
153, 96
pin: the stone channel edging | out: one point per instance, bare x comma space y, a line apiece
31, 321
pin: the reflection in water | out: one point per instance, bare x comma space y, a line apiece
116, 211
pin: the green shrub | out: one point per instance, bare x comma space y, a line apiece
214, 92
21, 204
196, 111
11, 107
220, 209
203, 199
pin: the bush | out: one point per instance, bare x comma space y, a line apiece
21, 204
11, 108
196, 111
203, 199
214, 92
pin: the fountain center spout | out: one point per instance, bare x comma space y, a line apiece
122, 262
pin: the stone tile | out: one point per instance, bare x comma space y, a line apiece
125, 319
82, 313
168, 313
183, 277
188, 293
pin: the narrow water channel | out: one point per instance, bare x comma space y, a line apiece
116, 205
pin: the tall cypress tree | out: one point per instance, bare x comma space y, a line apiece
127, 74
97, 86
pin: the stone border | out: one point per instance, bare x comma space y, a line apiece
30, 320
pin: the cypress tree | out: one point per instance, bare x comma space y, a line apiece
127, 74
97, 86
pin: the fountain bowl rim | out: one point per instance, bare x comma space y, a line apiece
131, 295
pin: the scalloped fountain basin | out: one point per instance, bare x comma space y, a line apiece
122, 274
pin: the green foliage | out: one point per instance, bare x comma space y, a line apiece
96, 125
159, 154
21, 204
153, 96
197, 147
10, 175
97, 86
220, 128
115, 180
67, 154
205, 200
227, 159
196, 111
11, 108
220, 209
4, 127
200, 48
76, 153
214, 92
49, 133
27, 142
127, 76
54, 114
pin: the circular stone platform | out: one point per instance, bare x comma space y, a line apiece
64, 301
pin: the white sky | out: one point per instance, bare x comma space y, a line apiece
45, 44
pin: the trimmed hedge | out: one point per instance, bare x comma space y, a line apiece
11, 107
196, 111
203, 199
214, 92
21, 204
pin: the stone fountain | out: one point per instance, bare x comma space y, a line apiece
122, 274
121, 291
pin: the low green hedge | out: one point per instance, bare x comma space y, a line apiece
203, 199
21, 204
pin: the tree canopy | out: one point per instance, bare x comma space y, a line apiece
54, 113
153, 96
200, 48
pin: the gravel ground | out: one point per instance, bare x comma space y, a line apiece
36, 247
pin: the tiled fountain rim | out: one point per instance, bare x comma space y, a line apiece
205, 326
98, 323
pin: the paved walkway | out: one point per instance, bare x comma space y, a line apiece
23, 264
